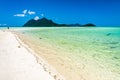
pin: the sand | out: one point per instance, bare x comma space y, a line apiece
17, 62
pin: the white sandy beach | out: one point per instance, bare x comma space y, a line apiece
17, 63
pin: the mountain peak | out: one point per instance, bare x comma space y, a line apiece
44, 18
40, 22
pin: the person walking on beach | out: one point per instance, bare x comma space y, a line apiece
8, 27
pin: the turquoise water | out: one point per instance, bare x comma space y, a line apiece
99, 47
77, 38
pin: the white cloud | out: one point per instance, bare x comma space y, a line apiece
31, 12
36, 18
3, 24
20, 15
24, 11
42, 15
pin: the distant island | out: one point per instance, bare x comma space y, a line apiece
44, 22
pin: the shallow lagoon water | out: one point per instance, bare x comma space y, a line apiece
89, 53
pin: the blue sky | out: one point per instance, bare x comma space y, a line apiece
99, 12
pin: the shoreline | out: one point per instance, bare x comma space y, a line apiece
45, 70
47, 67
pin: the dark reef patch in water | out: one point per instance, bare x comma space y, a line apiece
114, 43
115, 57
108, 34
111, 43
112, 47
40, 38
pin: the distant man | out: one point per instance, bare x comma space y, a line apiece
8, 27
